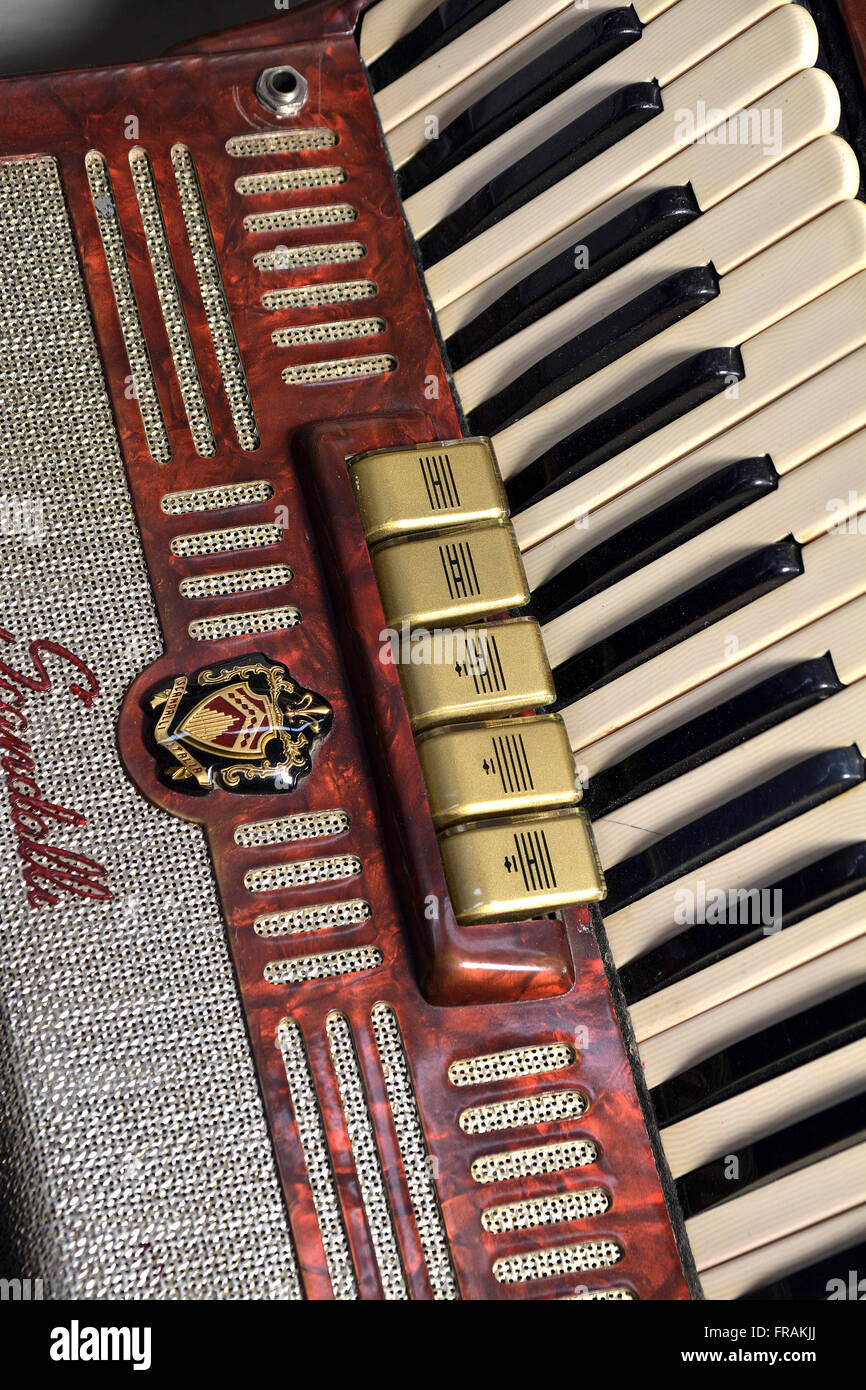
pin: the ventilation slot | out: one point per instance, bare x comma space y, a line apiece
531, 1163
169, 299
217, 542
289, 180
280, 142
214, 499
316, 296
301, 871
518, 1114
244, 624
417, 1164
128, 313
295, 219
328, 332
506, 1066
308, 825
565, 1259
546, 1211
309, 919
348, 368
236, 582
317, 1160
368, 1164
327, 965
213, 297
610, 1295
298, 257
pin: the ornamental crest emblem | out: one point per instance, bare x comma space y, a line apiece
244, 725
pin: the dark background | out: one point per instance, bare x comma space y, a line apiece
43, 34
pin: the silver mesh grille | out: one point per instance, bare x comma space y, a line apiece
317, 1160
141, 1165
214, 499
312, 296
528, 1163
565, 1259
594, 1295
244, 624
290, 180
167, 289
328, 332
219, 542
300, 871
417, 1163
213, 297
368, 1164
292, 219
236, 582
127, 307
546, 1211
307, 825
327, 965
529, 1110
322, 917
346, 369
280, 142
299, 257
504, 1066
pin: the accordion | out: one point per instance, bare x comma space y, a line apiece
433, 809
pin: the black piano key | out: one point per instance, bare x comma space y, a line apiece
446, 23
557, 70
637, 229
569, 149
774, 1157
803, 894
838, 1278
670, 396
772, 1052
644, 317
791, 793
742, 717
679, 618
685, 516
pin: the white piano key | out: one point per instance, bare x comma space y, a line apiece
777, 1260
762, 213
681, 37
778, 1209
749, 969
796, 427
765, 1109
782, 279
733, 77
776, 361
832, 723
388, 21
668, 1054
800, 507
809, 107
768, 858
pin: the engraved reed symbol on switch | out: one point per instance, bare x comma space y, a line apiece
252, 722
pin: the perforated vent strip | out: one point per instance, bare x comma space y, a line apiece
213, 499
134, 341
546, 1211
322, 917
312, 296
317, 1160
529, 1110
176, 328
280, 142
292, 219
328, 332
610, 1295
307, 825
244, 624
368, 1164
518, 1061
417, 1164
357, 368
217, 542
300, 871
236, 582
528, 1163
297, 257
290, 180
213, 297
565, 1259
327, 965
